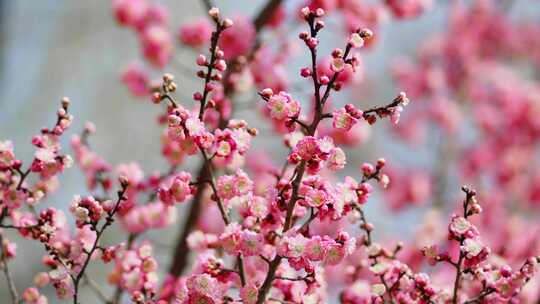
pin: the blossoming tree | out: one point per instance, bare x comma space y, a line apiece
254, 232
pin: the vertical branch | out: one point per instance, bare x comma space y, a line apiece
207, 4
223, 211
207, 161
14, 294
368, 229
96, 288
181, 252
469, 195
300, 169
5, 268
266, 13
445, 157
369, 241
210, 67
108, 221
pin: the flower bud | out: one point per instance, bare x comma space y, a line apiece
214, 12
227, 23
365, 33
267, 93
65, 102
201, 60
305, 72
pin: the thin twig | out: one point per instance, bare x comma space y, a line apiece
95, 287
224, 214
99, 232
469, 196
210, 67
7, 273
478, 299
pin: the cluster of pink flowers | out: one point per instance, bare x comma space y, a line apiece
315, 151
137, 80
345, 118
475, 278
235, 42
47, 163
91, 164
409, 187
357, 13
301, 252
178, 191
475, 94
281, 106
150, 21
259, 233
476, 87
136, 271
153, 215
499, 283
196, 34
32, 296
184, 126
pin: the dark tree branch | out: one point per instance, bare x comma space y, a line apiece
207, 4
266, 13
9, 278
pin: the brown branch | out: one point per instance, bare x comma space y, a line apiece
312, 216
96, 288
3, 226
300, 169
369, 242
224, 215
207, 4
181, 252
266, 13
478, 299
469, 195
210, 67
305, 278
23, 176
3, 258
108, 221
9, 278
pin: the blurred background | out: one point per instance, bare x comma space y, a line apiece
51, 49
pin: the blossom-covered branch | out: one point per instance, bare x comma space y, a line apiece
261, 228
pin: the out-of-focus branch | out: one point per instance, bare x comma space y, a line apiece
445, 156
5, 268
266, 13
95, 287
119, 291
207, 4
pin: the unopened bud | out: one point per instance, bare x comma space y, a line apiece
227, 23
214, 12
124, 181
65, 102
365, 33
